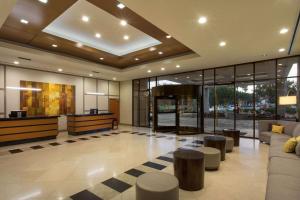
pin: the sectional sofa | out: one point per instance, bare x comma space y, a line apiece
284, 168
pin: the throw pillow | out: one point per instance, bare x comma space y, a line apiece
271, 124
297, 149
290, 145
277, 129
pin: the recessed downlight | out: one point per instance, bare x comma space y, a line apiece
283, 31
54, 45
202, 20
85, 18
123, 22
101, 58
222, 44
24, 21
152, 49
114, 78
121, 6
187, 77
177, 66
79, 44
280, 64
98, 35
149, 71
43, 1
16, 62
126, 37
162, 69
168, 36
281, 49
136, 59
160, 52
90, 75
60, 69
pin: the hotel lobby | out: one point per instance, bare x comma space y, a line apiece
149, 100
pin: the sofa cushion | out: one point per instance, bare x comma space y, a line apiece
290, 145
265, 136
279, 139
281, 187
289, 126
297, 149
276, 151
284, 166
296, 131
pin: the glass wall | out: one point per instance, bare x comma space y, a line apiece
235, 96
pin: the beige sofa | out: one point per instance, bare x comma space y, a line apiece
284, 168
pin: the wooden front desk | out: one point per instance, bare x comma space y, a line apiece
28, 129
89, 123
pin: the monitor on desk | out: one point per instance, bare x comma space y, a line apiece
94, 111
18, 113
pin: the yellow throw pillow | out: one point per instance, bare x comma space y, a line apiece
290, 145
277, 129
298, 138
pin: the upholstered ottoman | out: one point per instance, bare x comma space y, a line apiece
212, 157
229, 144
158, 186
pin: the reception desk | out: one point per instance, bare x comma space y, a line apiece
90, 123
27, 129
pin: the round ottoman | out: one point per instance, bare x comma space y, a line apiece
216, 141
189, 169
158, 186
229, 144
212, 157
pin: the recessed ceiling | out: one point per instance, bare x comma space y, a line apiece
69, 26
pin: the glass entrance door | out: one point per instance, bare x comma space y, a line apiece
166, 113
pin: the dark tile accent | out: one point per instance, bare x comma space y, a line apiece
142, 133
154, 165
182, 140
83, 138
165, 158
134, 172
15, 151
116, 184
85, 195
125, 131
106, 135
192, 145
70, 141
115, 133
198, 142
95, 136
160, 136
37, 147
134, 132
54, 144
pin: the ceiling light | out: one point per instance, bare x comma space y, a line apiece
283, 30
98, 35
176, 78
149, 71
90, 75
54, 45
16, 62
85, 18
202, 20
168, 36
24, 21
136, 59
79, 44
95, 93
177, 66
123, 22
101, 58
114, 78
23, 88
43, 1
152, 49
162, 69
60, 69
121, 6
160, 53
187, 77
126, 37
280, 64
222, 44
281, 49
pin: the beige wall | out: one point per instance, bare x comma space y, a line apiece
126, 102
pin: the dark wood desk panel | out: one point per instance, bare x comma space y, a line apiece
89, 123
28, 129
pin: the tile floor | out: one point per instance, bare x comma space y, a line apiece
61, 169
